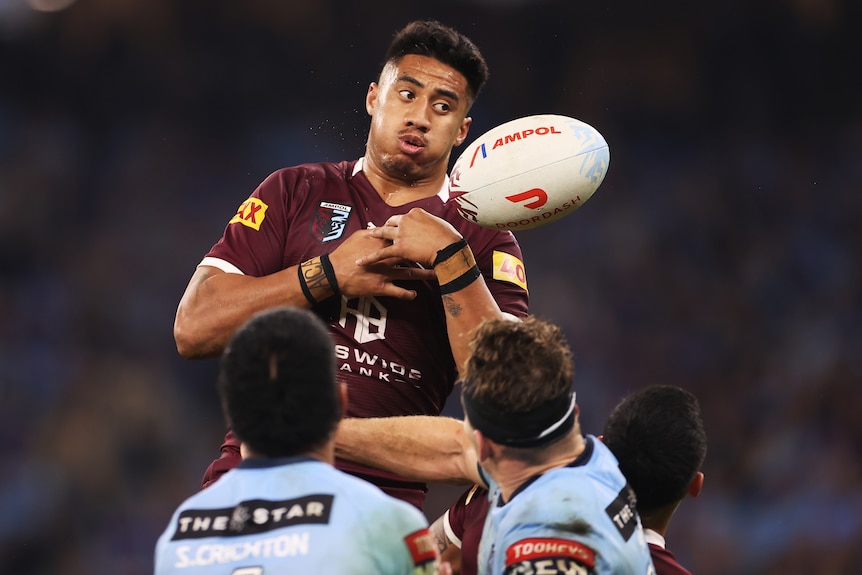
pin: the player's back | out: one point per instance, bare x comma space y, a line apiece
293, 515
582, 514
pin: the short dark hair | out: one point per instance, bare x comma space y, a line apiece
657, 435
277, 383
433, 39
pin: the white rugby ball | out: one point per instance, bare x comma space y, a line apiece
529, 172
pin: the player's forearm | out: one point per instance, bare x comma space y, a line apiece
466, 298
216, 303
465, 310
420, 448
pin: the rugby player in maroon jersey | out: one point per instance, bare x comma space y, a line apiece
373, 247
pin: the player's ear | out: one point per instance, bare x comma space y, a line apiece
463, 131
696, 484
484, 446
371, 98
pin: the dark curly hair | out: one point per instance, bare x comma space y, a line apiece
433, 39
657, 435
277, 383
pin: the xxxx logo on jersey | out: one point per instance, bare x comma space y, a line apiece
250, 213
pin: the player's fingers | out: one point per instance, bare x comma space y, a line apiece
376, 257
393, 290
383, 232
411, 274
394, 221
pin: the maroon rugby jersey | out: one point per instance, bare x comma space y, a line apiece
393, 354
465, 520
665, 562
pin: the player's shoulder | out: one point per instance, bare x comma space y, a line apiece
588, 481
326, 170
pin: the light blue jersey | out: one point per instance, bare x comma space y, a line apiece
576, 519
294, 515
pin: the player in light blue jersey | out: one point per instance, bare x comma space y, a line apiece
559, 503
286, 509
579, 518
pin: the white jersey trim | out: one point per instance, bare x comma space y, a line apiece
456, 541
224, 266
654, 537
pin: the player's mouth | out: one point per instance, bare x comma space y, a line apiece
411, 144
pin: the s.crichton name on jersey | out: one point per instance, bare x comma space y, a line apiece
205, 554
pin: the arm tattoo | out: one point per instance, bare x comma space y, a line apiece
312, 271
315, 279
453, 308
440, 536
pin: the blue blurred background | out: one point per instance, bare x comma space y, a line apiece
721, 254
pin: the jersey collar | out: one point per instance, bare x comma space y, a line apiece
443, 194
266, 462
581, 459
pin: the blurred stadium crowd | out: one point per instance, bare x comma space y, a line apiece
721, 254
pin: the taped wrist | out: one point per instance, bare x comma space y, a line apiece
317, 279
455, 267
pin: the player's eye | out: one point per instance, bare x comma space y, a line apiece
442, 106
406, 94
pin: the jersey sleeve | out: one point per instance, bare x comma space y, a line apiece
254, 238
229, 457
501, 262
456, 516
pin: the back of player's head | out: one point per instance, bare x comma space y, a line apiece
435, 40
658, 437
277, 383
517, 385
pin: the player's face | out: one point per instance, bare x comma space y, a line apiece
418, 112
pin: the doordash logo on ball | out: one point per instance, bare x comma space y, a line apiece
533, 199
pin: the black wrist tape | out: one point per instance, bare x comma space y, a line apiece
450, 250
305, 291
329, 272
461, 281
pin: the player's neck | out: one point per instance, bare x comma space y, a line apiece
659, 519
324, 452
510, 474
397, 192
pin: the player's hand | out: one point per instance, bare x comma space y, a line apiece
375, 278
415, 236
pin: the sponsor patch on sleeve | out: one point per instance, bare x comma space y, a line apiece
550, 556
422, 547
250, 213
623, 513
508, 268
